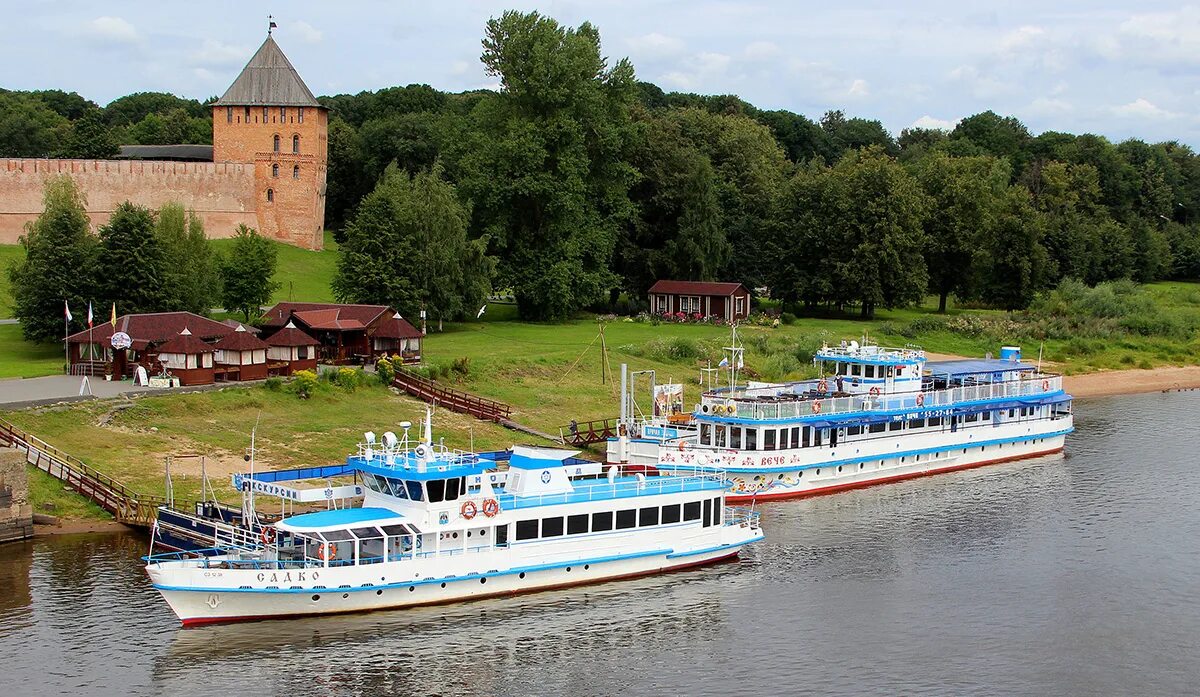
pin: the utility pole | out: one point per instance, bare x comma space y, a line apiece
603, 356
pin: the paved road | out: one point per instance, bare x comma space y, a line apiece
16, 394
10, 321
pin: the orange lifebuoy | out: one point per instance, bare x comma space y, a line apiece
816, 407
682, 445
1045, 385
920, 399
267, 535
491, 507
326, 551
822, 386
468, 510
874, 391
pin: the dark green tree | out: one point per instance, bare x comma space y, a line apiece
247, 273
1012, 261
346, 180
545, 161
407, 247
191, 278
89, 138
131, 266
29, 128
60, 254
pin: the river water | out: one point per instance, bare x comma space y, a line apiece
1074, 575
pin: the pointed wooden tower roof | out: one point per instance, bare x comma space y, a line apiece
268, 80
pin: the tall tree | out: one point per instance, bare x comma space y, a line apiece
191, 279
346, 182
407, 247
1012, 261
877, 258
89, 138
247, 272
131, 266
29, 128
58, 265
546, 161
964, 192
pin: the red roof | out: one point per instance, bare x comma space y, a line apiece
379, 320
395, 327
154, 328
235, 324
290, 336
696, 288
240, 341
185, 343
279, 315
327, 319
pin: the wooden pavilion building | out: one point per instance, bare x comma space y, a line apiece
91, 351
289, 350
188, 358
349, 333
726, 301
240, 356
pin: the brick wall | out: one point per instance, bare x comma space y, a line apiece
222, 194
16, 512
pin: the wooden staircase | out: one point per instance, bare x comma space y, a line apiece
429, 391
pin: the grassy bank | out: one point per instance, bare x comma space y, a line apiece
9, 253
25, 359
302, 274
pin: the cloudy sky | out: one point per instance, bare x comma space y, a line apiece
1121, 69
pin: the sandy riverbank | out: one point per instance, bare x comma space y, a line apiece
1115, 382
74, 527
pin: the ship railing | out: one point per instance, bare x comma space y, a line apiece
741, 516
671, 484
906, 401
439, 456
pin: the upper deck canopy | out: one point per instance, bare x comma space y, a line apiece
975, 366
338, 518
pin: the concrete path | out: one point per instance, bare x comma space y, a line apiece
18, 394
10, 321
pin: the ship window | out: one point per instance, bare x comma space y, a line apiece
577, 524
751, 439
769, 439
869, 371
705, 434
817, 437
916, 423
856, 369
670, 514
795, 436
602, 521
805, 437
397, 487
648, 516
708, 512
527, 529
437, 490
717, 508
877, 428
895, 425
691, 510
735, 437
720, 436
987, 416
971, 418
414, 491
501, 535
853, 430
552, 527
626, 519
935, 421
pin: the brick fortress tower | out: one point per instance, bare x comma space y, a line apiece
268, 117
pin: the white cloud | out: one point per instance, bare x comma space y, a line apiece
859, 88
1158, 39
761, 51
712, 62
928, 121
305, 31
1143, 109
980, 84
1046, 106
655, 44
112, 30
1021, 38
219, 55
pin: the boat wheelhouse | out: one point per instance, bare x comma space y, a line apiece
437, 525
874, 415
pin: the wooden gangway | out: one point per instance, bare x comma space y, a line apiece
430, 391
126, 505
588, 432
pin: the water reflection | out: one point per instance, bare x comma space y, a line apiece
1072, 575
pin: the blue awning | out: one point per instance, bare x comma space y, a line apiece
338, 518
975, 366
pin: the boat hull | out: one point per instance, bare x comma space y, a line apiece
750, 487
196, 606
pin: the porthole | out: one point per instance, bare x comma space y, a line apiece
860, 465
818, 470
800, 474
443, 584
316, 598
468, 533
455, 535
345, 595
522, 575
568, 569
586, 567
780, 477
902, 459
411, 589
482, 533
378, 592
483, 580
839, 468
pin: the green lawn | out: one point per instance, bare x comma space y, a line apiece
9, 253
302, 274
24, 359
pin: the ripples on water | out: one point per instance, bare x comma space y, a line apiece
1070, 575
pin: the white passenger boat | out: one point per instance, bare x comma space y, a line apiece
437, 525
876, 415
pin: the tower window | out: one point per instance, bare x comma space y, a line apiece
265, 115
275, 170
228, 114
247, 114
276, 142
282, 114
295, 144
270, 196
295, 171
300, 114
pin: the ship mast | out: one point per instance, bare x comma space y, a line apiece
734, 358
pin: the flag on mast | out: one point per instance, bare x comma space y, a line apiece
113, 321
724, 362
89, 314
67, 308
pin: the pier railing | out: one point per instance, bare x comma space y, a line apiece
126, 505
907, 401
430, 391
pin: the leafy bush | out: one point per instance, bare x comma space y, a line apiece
461, 367
788, 318
348, 379
779, 366
304, 383
385, 370
273, 384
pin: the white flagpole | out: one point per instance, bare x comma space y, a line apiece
66, 333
